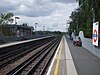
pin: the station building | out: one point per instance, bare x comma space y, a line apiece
18, 30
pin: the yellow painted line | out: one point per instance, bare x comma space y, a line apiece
58, 61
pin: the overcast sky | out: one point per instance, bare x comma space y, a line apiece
49, 13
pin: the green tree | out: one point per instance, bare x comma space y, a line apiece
6, 18
82, 17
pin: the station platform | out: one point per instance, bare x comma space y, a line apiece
62, 63
20, 42
73, 60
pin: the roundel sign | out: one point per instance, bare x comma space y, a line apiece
95, 37
95, 33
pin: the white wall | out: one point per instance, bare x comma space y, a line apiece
87, 44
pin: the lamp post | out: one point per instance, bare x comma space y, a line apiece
93, 12
48, 30
67, 22
44, 29
36, 28
15, 20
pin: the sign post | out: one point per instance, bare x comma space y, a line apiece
95, 33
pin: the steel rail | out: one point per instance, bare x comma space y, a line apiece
19, 66
20, 54
42, 61
49, 60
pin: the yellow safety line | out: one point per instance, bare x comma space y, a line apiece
58, 61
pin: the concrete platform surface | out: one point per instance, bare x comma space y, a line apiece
73, 60
85, 62
62, 62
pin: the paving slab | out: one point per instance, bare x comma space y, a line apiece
85, 62
63, 62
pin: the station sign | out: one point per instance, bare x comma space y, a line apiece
95, 33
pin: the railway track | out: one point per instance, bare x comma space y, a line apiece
11, 54
38, 62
